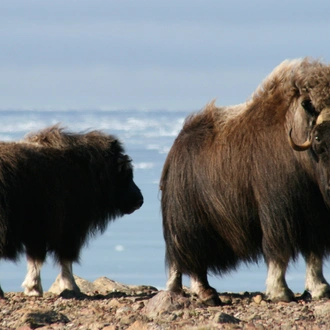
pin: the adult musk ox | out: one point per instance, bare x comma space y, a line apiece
56, 190
235, 188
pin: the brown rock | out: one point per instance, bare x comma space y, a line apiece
84, 285
104, 285
165, 301
225, 318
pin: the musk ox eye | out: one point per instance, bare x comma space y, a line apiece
308, 106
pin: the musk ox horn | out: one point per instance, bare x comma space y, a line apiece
323, 116
299, 147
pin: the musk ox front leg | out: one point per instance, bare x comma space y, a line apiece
315, 283
276, 286
65, 279
174, 282
32, 283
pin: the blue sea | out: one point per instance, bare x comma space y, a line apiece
131, 251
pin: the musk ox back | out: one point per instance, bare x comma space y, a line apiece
236, 189
56, 190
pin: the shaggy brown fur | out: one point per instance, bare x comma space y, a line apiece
234, 190
58, 188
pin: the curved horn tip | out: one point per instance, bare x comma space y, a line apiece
302, 147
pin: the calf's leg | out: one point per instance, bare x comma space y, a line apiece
32, 282
315, 282
66, 279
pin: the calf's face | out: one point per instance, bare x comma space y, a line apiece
128, 195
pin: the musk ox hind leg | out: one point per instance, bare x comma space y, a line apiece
200, 286
276, 286
315, 283
32, 282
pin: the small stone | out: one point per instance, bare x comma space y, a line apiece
254, 316
257, 299
127, 319
225, 318
124, 310
114, 303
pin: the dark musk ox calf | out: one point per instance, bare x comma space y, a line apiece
57, 189
236, 189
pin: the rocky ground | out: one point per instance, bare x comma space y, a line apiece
109, 305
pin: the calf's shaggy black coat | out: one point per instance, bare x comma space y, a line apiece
59, 188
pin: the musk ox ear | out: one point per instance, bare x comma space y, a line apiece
124, 162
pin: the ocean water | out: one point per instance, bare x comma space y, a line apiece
131, 250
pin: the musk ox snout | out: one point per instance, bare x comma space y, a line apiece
132, 199
321, 139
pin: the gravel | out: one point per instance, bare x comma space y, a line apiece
109, 305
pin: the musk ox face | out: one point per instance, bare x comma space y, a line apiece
106, 161
128, 195
321, 149
318, 143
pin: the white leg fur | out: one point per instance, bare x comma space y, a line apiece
66, 279
174, 282
201, 287
197, 285
32, 283
276, 286
315, 283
